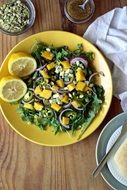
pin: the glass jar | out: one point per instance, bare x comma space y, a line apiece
77, 14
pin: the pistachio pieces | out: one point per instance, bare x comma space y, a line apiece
14, 16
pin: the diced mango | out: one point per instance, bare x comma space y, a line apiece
37, 90
65, 120
46, 94
60, 83
50, 66
66, 65
54, 88
47, 55
75, 104
71, 86
44, 74
80, 86
28, 106
65, 99
55, 106
80, 76
38, 106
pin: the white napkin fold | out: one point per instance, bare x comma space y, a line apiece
109, 33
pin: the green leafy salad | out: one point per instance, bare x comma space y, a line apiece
62, 92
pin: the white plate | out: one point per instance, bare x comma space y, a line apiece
101, 146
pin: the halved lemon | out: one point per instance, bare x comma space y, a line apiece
12, 89
21, 64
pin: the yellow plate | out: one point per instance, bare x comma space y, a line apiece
47, 138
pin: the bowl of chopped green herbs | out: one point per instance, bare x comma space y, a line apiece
16, 16
67, 96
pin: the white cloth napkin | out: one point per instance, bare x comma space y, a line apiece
109, 34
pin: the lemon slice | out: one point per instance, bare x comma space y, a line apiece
21, 64
12, 89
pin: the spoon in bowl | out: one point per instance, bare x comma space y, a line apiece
84, 4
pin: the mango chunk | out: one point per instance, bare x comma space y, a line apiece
75, 104
37, 90
66, 65
44, 74
38, 106
60, 83
65, 99
55, 106
80, 76
50, 66
80, 86
65, 120
71, 86
47, 55
46, 94
28, 106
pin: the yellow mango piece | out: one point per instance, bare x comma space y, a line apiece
65, 120
55, 106
46, 94
50, 66
80, 76
60, 83
47, 55
71, 86
66, 65
38, 106
44, 74
28, 106
65, 99
80, 86
37, 90
75, 104
54, 88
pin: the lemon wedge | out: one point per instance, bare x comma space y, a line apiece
21, 64
12, 89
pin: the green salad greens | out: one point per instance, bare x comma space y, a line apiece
62, 92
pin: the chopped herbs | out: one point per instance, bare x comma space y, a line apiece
14, 16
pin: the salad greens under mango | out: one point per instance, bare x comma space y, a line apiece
62, 91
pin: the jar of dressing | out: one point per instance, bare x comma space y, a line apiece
77, 14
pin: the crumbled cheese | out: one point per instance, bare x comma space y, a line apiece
48, 49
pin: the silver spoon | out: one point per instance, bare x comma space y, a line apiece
84, 4
112, 150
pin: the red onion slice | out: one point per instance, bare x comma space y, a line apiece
78, 108
40, 68
62, 91
67, 105
38, 97
94, 74
82, 60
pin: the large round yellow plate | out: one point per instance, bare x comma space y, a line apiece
47, 138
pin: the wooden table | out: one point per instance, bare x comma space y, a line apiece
27, 166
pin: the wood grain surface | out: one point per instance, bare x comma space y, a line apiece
27, 166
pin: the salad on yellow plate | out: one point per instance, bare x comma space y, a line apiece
61, 92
